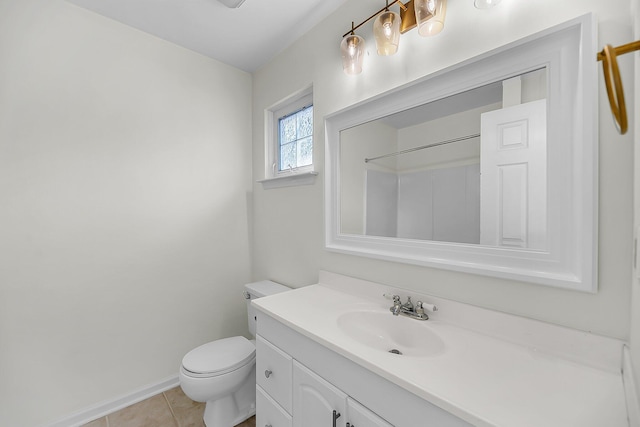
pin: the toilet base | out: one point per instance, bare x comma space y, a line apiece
225, 413
232, 409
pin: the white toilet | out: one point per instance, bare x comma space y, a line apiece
223, 372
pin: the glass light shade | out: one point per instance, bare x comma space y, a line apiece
485, 4
352, 49
430, 16
386, 29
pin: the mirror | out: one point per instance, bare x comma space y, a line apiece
417, 174
487, 167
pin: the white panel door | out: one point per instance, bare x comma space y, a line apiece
513, 183
359, 416
316, 403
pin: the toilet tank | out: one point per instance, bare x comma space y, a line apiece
257, 290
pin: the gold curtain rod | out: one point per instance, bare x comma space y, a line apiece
612, 80
422, 147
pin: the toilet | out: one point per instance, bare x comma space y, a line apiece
222, 373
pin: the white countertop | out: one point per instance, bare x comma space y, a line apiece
482, 379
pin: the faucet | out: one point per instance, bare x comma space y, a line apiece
397, 305
408, 309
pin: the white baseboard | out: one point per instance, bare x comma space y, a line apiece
631, 393
109, 406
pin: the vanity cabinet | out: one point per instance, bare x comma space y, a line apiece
301, 382
288, 394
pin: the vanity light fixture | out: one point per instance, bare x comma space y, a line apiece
430, 16
386, 30
352, 49
427, 15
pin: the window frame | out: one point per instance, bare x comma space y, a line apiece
288, 106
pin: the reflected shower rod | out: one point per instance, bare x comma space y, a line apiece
422, 147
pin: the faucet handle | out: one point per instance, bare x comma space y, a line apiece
426, 307
395, 298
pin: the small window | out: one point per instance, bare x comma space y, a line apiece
295, 139
289, 145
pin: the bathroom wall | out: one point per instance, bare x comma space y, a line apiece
289, 222
124, 236
368, 140
633, 100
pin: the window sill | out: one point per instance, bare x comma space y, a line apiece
305, 178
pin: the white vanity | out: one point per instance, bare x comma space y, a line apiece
326, 348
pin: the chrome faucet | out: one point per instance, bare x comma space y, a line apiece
397, 305
408, 309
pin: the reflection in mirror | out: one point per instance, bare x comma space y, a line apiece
470, 168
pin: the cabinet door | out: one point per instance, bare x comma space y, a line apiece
359, 416
315, 400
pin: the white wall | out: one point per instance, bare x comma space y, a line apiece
288, 227
369, 140
124, 236
633, 103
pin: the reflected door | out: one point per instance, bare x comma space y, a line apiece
513, 183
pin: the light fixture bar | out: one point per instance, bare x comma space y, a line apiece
402, 6
408, 17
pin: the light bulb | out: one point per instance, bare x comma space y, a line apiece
430, 16
352, 49
386, 30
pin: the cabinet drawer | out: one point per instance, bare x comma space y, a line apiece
268, 412
273, 372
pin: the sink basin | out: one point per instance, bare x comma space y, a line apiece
389, 333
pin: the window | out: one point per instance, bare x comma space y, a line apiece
295, 139
289, 141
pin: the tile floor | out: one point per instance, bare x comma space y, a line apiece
169, 409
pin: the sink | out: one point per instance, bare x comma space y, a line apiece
394, 334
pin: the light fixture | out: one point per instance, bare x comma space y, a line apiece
352, 49
427, 15
485, 4
386, 30
430, 16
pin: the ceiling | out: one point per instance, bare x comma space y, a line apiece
245, 38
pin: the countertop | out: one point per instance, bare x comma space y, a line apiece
482, 379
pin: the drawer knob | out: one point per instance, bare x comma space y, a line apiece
267, 373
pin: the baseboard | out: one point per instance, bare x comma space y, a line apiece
630, 390
109, 406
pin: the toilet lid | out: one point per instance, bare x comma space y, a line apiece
220, 356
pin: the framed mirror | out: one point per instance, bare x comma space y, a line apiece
487, 167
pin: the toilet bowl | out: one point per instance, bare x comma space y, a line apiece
222, 373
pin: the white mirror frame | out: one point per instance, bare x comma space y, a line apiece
570, 261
